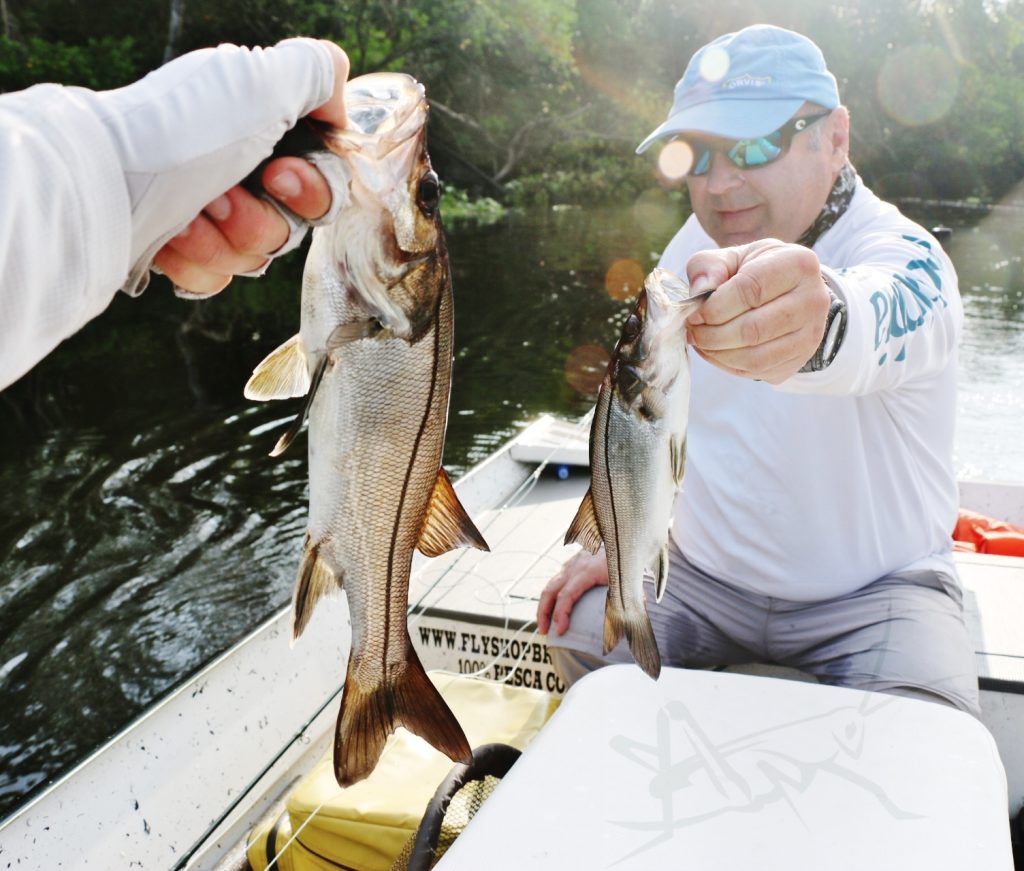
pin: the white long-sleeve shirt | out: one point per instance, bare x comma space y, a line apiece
815, 488
95, 183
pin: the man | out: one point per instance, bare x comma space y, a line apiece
99, 187
813, 525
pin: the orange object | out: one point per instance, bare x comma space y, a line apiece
976, 532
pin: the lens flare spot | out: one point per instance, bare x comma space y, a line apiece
675, 160
585, 367
624, 279
714, 64
917, 85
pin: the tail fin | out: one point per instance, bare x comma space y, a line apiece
636, 625
375, 704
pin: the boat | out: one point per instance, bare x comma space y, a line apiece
184, 785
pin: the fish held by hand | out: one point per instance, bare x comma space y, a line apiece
374, 355
637, 456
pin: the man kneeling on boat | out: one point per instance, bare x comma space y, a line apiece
813, 524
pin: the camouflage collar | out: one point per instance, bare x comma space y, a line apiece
837, 203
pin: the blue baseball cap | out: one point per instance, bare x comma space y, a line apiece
747, 84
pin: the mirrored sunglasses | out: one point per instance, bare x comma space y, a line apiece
756, 152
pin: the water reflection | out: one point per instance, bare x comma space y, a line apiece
145, 528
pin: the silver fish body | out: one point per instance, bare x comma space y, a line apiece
376, 349
637, 456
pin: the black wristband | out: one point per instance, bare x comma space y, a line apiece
835, 329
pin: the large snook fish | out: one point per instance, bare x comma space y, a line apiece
375, 354
637, 453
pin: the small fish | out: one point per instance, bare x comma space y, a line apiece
637, 454
374, 353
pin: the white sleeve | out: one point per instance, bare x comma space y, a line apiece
96, 183
904, 317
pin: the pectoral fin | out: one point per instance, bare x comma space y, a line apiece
343, 334
300, 419
583, 528
653, 403
678, 448
282, 374
447, 525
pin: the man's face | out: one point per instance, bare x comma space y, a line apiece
779, 200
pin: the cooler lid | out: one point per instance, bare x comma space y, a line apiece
716, 770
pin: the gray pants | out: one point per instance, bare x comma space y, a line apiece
902, 634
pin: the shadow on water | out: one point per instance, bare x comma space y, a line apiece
145, 530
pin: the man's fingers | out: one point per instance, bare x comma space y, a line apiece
250, 224
563, 591
188, 275
766, 362
547, 602
299, 185
748, 277
333, 111
752, 327
204, 245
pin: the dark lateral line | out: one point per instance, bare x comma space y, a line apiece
412, 463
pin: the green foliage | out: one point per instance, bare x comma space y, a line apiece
101, 63
456, 206
544, 100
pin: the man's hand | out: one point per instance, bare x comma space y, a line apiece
767, 317
237, 232
577, 575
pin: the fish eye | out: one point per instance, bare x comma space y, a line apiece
428, 194
631, 329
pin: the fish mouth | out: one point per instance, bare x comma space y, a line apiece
384, 111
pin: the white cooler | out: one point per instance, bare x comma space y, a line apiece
706, 770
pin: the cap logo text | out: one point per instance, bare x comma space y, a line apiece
746, 81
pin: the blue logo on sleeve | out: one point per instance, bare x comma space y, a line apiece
903, 306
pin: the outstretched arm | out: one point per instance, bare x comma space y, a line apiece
99, 186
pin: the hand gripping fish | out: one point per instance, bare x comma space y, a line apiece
374, 354
637, 453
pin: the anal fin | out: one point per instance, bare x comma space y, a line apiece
583, 528
446, 525
661, 578
677, 447
372, 709
314, 580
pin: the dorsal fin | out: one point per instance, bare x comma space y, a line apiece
447, 525
584, 528
282, 374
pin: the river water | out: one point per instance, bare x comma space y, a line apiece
145, 529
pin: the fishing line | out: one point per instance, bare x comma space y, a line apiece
252, 783
305, 823
505, 601
517, 496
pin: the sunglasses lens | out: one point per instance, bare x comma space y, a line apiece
756, 152
701, 162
